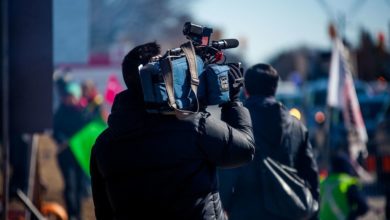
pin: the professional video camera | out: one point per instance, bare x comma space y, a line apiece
200, 37
189, 76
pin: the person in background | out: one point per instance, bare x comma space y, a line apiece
92, 101
341, 193
156, 166
241, 188
382, 137
68, 119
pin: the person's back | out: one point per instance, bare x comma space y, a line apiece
152, 166
278, 134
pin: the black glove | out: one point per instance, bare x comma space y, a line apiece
236, 81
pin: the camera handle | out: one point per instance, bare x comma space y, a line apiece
189, 52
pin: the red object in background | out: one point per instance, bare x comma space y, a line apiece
386, 164
323, 174
332, 31
100, 59
381, 79
381, 41
370, 163
319, 117
16, 215
113, 88
381, 37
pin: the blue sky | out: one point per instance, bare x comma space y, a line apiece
269, 27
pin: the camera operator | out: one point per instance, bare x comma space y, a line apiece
155, 166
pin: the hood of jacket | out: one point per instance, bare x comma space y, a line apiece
268, 118
127, 114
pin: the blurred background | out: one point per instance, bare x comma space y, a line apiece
56, 49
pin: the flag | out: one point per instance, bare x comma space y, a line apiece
82, 142
113, 88
342, 95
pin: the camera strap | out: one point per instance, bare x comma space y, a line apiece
166, 66
189, 52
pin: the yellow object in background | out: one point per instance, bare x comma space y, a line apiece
296, 113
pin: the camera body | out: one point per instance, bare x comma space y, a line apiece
198, 34
212, 86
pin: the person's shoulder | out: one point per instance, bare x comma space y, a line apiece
297, 126
103, 140
297, 122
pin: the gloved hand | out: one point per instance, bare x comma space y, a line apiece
236, 81
143, 53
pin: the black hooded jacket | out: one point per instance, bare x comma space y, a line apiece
241, 188
151, 166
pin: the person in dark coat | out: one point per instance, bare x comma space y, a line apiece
154, 166
241, 188
68, 120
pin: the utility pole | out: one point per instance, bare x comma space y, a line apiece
341, 19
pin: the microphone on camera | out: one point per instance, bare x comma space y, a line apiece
225, 44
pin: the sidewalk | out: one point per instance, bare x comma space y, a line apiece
375, 202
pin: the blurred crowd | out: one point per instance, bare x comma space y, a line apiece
79, 105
